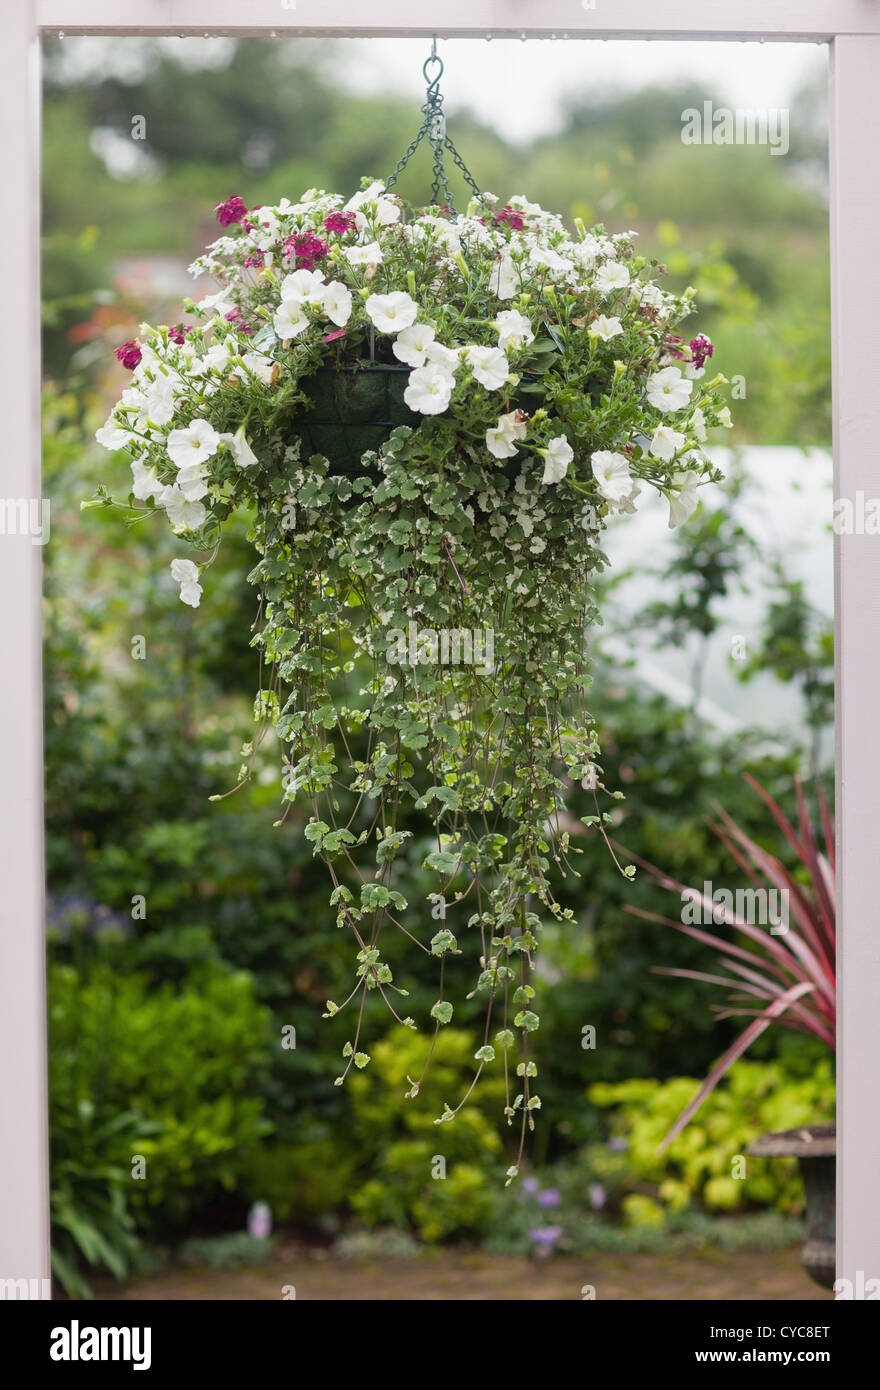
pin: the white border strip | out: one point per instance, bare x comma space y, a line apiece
855, 298
856, 309
783, 20
24, 1183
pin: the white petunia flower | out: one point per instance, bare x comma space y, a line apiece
502, 440
304, 286
214, 360
365, 195
429, 389
648, 294
191, 482
159, 402
259, 364
146, 481
241, 451
666, 442
187, 575
612, 474
290, 319
381, 212
182, 514
514, 329
219, 302
605, 328
724, 418
411, 344
504, 280
544, 257
371, 254
441, 356
522, 204
112, 436
683, 503
199, 441
557, 456
489, 365
625, 504
391, 312
611, 276
668, 390
336, 303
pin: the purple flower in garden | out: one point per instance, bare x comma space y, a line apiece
617, 1144
256, 259
550, 1198
129, 354
340, 222
232, 210
530, 1184
701, 348
177, 334
597, 1195
260, 1221
545, 1237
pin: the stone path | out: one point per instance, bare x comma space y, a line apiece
459, 1275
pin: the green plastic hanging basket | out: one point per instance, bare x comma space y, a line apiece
354, 409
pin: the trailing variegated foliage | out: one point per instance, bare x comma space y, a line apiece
433, 606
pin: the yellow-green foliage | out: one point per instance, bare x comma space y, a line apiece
708, 1160
412, 1152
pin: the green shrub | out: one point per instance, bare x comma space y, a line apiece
91, 1219
299, 1178
435, 1178
157, 1073
708, 1161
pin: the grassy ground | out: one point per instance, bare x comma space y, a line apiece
318, 1275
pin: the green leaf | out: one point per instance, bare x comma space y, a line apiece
443, 941
316, 830
526, 1019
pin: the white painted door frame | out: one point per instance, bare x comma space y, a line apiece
852, 27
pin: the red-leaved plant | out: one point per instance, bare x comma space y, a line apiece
790, 974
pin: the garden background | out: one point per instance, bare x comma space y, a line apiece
188, 937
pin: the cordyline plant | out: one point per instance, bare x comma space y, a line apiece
793, 971
433, 599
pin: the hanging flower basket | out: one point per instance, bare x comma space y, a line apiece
428, 535
353, 411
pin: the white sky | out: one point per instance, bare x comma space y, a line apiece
518, 87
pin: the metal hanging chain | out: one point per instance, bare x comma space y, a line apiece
434, 127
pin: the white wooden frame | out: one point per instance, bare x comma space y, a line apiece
852, 27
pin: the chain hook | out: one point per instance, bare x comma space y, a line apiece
434, 127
